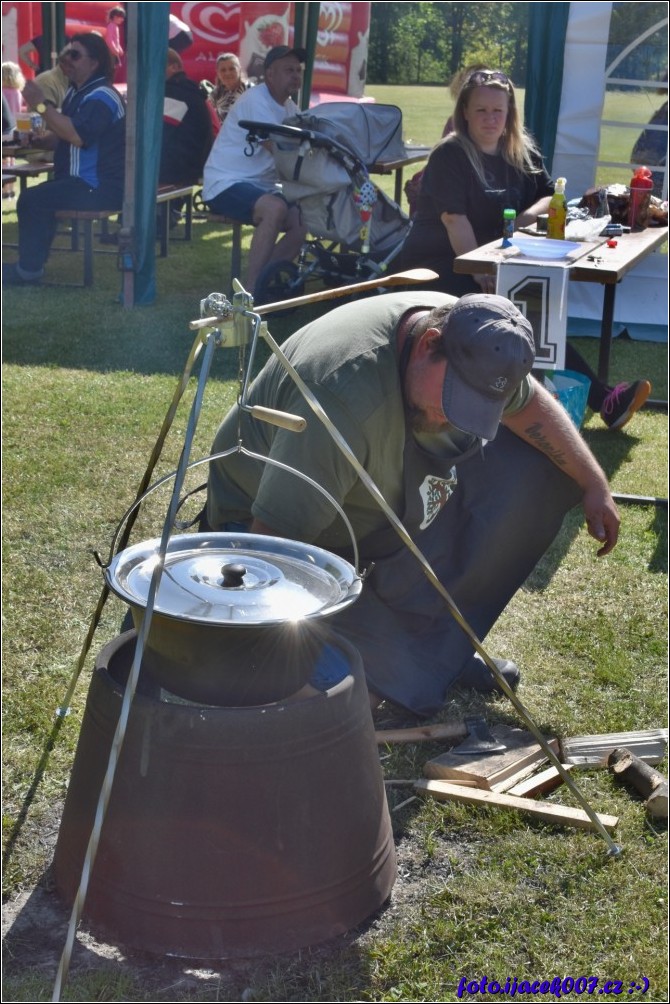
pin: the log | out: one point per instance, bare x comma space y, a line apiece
657, 803
647, 782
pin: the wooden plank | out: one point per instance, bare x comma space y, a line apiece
402, 783
451, 731
523, 754
539, 784
560, 815
526, 771
592, 751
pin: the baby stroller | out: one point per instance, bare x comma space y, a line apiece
322, 158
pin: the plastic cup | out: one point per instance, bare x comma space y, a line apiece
24, 128
638, 208
23, 121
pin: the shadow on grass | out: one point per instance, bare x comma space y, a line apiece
98, 970
659, 527
91, 330
613, 451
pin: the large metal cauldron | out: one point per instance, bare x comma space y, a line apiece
229, 831
238, 618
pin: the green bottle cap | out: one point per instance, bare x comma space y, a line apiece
509, 214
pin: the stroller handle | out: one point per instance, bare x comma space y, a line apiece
263, 130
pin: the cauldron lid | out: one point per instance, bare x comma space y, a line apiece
236, 579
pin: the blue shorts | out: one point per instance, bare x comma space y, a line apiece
239, 200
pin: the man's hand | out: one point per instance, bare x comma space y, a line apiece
602, 517
32, 93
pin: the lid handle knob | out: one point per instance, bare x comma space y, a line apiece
233, 576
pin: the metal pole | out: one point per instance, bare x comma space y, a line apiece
127, 233
311, 29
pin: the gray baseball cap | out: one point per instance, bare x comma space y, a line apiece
280, 51
490, 348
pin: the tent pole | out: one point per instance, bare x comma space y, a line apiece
310, 33
127, 233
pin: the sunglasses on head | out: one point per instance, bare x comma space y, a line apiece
484, 76
73, 54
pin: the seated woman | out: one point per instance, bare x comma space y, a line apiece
230, 83
487, 164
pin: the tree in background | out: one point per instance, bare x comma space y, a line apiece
426, 43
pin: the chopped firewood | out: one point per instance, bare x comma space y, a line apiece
561, 815
592, 751
648, 782
491, 771
539, 784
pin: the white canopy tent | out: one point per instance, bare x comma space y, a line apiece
642, 298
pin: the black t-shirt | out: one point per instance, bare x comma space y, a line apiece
451, 185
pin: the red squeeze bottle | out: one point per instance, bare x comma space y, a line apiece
640, 194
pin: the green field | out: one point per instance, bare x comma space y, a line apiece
426, 109
86, 385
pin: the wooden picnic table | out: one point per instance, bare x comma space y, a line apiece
25, 171
414, 155
596, 262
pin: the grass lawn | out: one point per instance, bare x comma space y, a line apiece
480, 892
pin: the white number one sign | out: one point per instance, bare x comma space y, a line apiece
540, 292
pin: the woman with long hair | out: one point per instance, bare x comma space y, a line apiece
486, 164
489, 163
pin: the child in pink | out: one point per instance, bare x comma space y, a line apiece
13, 83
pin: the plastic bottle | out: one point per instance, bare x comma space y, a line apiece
509, 218
558, 210
640, 195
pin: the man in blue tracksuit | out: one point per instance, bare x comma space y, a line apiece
88, 137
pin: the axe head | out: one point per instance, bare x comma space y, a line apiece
478, 740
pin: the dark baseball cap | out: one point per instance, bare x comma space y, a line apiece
490, 348
280, 51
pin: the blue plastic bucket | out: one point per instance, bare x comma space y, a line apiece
571, 389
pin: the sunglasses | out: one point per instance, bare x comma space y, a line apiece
484, 76
73, 54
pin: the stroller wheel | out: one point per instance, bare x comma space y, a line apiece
281, 280
199, 205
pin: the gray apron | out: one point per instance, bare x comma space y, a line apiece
490, 525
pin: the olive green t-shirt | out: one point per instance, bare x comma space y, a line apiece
348, 359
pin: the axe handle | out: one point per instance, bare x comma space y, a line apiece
422, 733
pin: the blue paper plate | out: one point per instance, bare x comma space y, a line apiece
543, 247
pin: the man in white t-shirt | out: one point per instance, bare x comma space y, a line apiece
243, 184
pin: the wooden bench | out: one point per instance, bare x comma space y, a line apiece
87, 217
165, 196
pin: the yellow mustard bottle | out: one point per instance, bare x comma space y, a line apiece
558, 210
